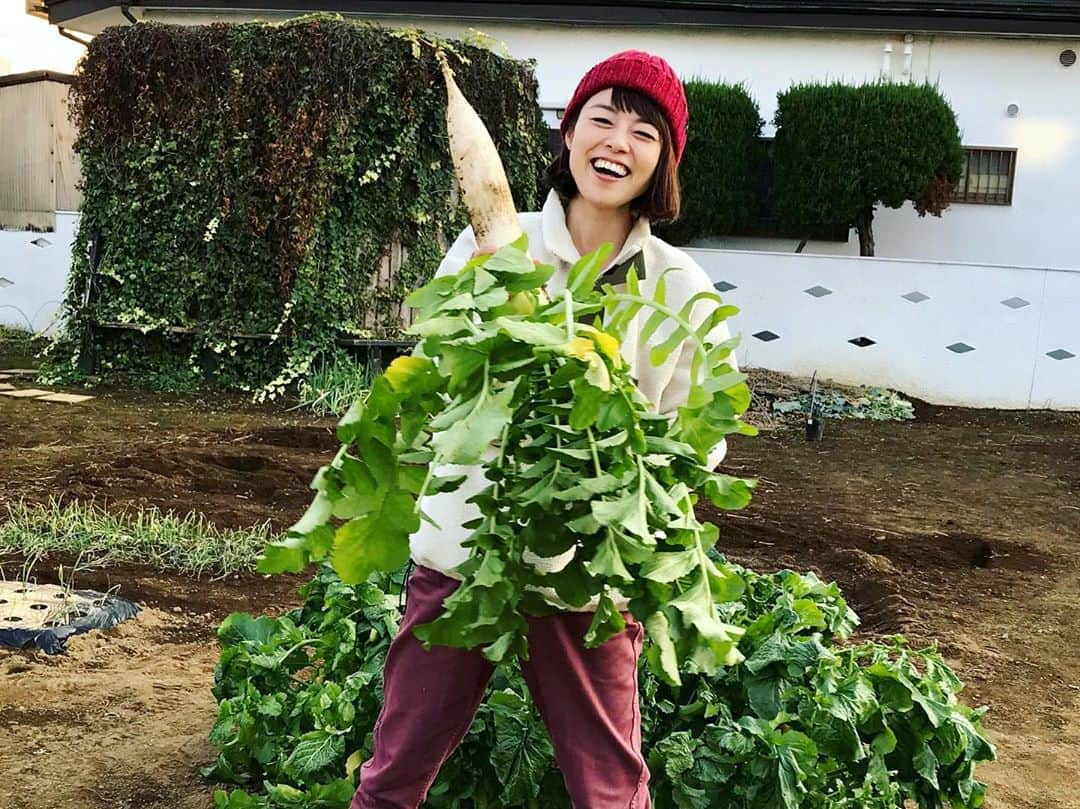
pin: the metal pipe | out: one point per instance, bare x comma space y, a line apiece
66, 33
125, 10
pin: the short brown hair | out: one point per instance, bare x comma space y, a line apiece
661, 201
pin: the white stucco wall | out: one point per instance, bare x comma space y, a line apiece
1013, 331
33, 276
980, 76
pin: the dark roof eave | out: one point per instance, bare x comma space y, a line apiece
1013, 18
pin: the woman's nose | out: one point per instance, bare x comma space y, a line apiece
617, 140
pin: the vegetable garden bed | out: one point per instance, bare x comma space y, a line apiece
959, 526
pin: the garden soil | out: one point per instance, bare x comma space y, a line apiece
961, 528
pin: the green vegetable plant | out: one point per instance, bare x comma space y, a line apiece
751, 697
581, 467
808, 721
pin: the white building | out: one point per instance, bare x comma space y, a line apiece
39, 196
992, 308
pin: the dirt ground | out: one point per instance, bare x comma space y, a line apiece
962, 527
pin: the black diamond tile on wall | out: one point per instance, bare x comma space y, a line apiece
724, 286
862, 342
818, 291
767, 336
1060, 354
960, 348
1015, 303
915, 296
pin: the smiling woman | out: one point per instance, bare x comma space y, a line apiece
626, 152
623, 135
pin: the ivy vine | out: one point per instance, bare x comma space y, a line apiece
242, 184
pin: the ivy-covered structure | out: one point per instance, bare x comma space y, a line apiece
257, 194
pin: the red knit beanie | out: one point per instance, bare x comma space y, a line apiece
648, 74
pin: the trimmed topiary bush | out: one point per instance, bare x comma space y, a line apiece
841, 151
718, 168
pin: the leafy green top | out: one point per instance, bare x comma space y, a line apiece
581, 462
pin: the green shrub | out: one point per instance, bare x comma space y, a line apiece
842, 150
718, 168
242, 183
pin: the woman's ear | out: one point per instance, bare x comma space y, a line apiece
568, 138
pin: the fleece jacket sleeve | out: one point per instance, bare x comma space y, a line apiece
459, 253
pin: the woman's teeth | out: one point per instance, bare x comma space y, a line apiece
608, 167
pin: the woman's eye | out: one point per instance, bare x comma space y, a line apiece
643, 133
601, 121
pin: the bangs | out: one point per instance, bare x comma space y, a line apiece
626, 100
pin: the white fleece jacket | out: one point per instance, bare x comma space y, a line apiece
666, 386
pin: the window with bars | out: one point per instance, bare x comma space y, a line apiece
987, 177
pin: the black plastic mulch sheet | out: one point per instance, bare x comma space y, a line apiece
107, 612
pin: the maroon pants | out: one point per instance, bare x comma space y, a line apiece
588, 699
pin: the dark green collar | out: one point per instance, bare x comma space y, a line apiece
617, 275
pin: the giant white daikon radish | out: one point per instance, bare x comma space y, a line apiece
479, 171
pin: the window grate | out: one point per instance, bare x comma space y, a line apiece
987, 177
